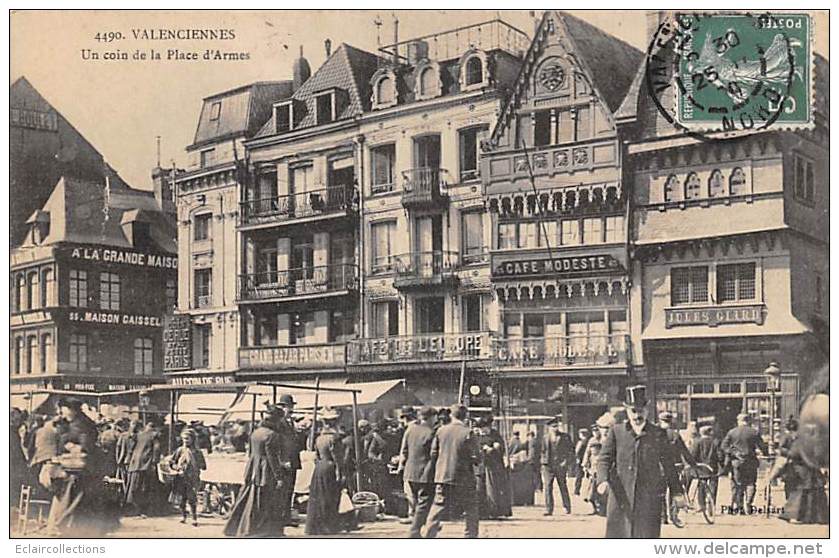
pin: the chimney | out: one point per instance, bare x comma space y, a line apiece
163, 189
395, 39
327, 44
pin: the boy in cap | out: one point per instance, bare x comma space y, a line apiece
189, 462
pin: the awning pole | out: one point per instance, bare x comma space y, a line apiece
274, 390
315, 415
356, 441
253, 411
171, 420
462, 381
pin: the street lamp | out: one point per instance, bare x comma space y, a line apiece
773, 384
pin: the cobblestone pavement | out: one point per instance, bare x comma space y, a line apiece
527, 522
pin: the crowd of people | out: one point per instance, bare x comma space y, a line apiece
427, 465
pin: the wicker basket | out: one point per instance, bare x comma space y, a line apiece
165, 474
368, 505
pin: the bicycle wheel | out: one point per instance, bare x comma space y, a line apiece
708, 504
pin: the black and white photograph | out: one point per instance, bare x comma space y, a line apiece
397, 273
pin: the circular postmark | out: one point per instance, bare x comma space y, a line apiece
724, 72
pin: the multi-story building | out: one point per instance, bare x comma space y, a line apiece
427, 307
558, 203
207, 198
91, 283
730, 261
298, 278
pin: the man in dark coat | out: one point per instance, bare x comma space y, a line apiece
579, 453
557, 454
417, 467
258, 510
293, 443
455, 455
706, 451
741, 445
636, 465
142, 470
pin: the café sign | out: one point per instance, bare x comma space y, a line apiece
301, 356
114, 318
208, 380
572, 265
714, 316
126, 257
422, 348
177, 343
557, 352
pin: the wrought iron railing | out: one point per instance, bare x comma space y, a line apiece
334, 199
298, 281
426, 264
424, 184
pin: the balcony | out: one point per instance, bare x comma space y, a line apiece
293, 357
435, 268
586, 354
334, 201
425, 188
303, 282
202, 301
434, 347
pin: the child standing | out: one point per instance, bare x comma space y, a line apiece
189, 462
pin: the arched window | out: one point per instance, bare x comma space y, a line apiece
20, 293
46, 351
19, 355
693, 187
474, 71
427, 82
47, 286
32, 354
716, 184
33, 297
671, 186
737, 182
385, 92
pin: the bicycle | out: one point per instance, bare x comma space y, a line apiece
701, 498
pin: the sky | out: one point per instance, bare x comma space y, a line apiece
123, 106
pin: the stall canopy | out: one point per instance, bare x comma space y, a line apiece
28, 401
207, 407
368, 393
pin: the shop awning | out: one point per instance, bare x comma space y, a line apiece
208, 407
28, 402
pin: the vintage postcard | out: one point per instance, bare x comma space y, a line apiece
420, 273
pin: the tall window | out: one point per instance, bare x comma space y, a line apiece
203, 281
386, 318
430, 314
593, 231
474, 71
383, 234
614, 229
693, 186
108, 291
428, 82
470, 145
78, 288
671, 186
20, 343
207, 158
716, 184
325, 109
32, 364
688, 285
47, 288
341, 326
46, 351
202, 226
33, 297
143, 356
528, 234
171, 294
20, 293
804, 179
542, 128
735, 282
266, 264
570, 232
473, 312
385, 91
383, 158
737, 182
78, 351
265, 329
282, 117
472, 232
507, 235
201, 345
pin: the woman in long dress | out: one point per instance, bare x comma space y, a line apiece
325, 490
495, 497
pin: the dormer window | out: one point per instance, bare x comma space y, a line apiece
385, 93
325, 106
215, 111
474, 72
427, 81
283, 117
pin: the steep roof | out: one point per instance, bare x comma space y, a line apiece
241, 111
87, 213
348, 69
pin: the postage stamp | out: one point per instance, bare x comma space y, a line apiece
734, 71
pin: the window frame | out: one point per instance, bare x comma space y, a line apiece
78, 348
332, 112
202, 233
80, 286
479, 132
738, 282
215, 111
376, 265
146, 354
689, 271
109, 298
386, 151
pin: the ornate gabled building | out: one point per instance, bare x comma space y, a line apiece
730, 252
208, 209
427, 309
553, 183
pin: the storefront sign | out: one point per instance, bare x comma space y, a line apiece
559, 352
202, 380
302, 356
98, 387
35, 119
177, 343
114, 318
714, 316
573, 265
437, 348
126, 257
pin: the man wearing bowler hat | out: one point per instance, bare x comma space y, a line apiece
295, 442
635, 466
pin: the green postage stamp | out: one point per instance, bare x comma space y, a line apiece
743, 71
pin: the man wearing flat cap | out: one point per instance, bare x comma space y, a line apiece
635, 466
556, 455
741, 445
